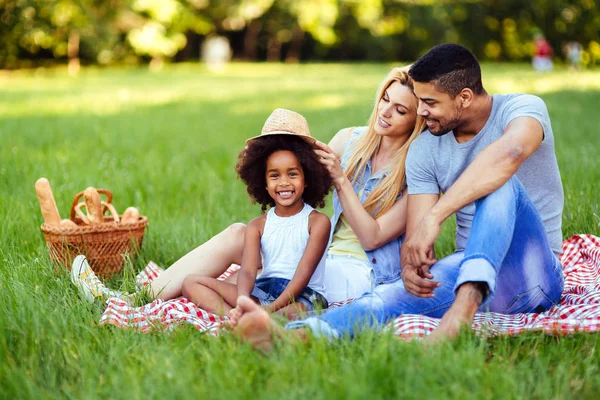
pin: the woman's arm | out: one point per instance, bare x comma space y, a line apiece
339, 141
251, 257
371, 233
319, 227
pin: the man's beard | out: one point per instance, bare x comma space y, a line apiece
441, 129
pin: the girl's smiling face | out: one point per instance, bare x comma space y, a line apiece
285, 182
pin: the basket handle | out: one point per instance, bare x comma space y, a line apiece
80, 214
112, 211
109, 198
86, 220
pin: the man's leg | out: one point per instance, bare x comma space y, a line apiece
370, 311
386, 302
509, 256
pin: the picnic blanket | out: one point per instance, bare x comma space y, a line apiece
577, 311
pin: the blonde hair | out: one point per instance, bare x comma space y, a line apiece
383, 197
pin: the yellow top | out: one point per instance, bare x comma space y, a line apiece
345, 242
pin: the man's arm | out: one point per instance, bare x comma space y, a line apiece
414, 274
492, 168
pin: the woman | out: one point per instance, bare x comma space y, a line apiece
367, 167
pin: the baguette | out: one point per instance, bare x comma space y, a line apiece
47, 203
130, 215
93, 205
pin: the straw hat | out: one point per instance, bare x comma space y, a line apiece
286, 122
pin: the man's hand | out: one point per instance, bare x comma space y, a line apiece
415, 282
417, 249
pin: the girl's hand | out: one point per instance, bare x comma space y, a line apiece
329, 159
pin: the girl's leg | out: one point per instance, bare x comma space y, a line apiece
210, 294
210, 259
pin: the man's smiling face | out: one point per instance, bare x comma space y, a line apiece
441, 112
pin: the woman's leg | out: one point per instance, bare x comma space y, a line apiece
346, 278
210, 294
210, 259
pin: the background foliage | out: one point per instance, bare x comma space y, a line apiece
34, 32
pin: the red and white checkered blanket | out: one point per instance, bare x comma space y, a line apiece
577, 311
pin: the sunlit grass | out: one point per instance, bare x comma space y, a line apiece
166, 142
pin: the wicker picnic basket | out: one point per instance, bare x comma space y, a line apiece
105, 245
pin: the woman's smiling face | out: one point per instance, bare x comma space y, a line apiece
396, 111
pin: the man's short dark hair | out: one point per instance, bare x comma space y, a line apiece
451, 67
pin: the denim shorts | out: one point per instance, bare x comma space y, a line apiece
267, 290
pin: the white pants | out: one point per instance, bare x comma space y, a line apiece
347, 277
542, 63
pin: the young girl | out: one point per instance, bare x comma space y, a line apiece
282, 171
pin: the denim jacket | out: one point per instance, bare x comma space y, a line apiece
384, 260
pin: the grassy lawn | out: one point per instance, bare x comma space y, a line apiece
166, 142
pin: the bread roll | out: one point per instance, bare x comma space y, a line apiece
47, 203
67, 223
93, 205
130, 215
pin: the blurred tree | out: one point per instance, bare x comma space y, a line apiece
106, 31
61, 29
162, 33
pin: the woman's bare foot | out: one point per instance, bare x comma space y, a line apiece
460, 314
254, 325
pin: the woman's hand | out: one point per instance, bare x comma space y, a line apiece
330, 160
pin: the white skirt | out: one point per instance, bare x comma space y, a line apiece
347, 277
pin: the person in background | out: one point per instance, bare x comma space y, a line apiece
542, 56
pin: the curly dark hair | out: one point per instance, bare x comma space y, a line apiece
252, 163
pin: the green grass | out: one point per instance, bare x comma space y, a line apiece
166, 142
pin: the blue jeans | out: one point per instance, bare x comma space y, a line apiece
267, 290
508, 249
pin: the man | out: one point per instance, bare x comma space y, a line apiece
493, 158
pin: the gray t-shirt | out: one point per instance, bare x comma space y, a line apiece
434, 163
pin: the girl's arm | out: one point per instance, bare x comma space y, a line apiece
318, 228
250, 257
372, 233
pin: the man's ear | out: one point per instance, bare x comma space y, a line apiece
466, 97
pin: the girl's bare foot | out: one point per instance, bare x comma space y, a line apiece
234, 316
254, 324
